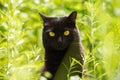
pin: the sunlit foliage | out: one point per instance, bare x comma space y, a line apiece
21, 50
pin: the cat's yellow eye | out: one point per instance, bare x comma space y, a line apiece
66, 33
52, 34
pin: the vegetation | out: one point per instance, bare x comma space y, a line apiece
21, 50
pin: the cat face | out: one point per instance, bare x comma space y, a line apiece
58, 33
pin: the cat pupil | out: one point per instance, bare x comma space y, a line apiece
52, 34
66, 33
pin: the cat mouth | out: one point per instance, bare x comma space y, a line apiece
60, 47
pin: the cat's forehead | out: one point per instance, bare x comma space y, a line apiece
55, 20
58, 24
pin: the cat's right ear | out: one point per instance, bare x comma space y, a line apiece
73, 16
43, 17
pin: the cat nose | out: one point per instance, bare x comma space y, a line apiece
59, 40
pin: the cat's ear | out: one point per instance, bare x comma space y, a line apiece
73, 16
43, 17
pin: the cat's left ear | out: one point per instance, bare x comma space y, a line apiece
73, 16
43, 17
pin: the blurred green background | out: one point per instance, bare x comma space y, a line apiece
21, 50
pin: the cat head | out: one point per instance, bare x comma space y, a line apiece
58, 32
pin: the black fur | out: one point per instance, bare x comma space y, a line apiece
57, 46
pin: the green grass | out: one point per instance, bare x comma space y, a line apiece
21, 50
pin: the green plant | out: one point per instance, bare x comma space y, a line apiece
21, 51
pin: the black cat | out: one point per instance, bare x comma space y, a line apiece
60, 36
